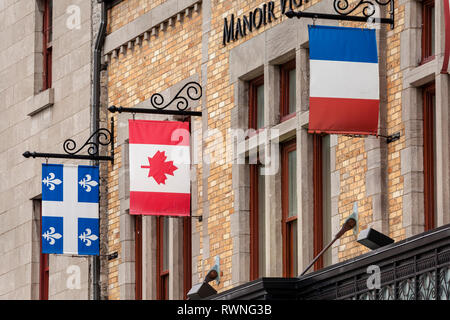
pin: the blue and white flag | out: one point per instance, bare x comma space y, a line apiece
70, 209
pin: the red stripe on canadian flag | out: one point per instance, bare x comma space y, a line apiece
159, 168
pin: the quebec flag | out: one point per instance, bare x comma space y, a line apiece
70, 209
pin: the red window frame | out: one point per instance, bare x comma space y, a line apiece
427, 34
187, 255
162, 276
138, 256
318, 200
44, 266
429, 93
47, 44
286, 221
254, 222
284, 91
253, 102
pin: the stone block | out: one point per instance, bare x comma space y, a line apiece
413, 209
413, 182
335, 183
247, 60
126, 227
412, 159
279, 41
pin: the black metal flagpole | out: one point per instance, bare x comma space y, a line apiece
101, 136
157, 106
343, 9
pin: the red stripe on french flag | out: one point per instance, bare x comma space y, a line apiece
346, 116
160, 203
344, 81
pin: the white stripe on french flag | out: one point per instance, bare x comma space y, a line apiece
159, 167
344, 80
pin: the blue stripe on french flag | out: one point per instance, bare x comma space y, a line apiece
344, 80
342, 44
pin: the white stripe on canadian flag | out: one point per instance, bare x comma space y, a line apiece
159, 154
139, 171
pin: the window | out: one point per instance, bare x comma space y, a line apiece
256, 103
429, 157
162, 258
322, 199
44, 269
180, 247
289, 208
428, 31
138, 256
47, 43
288, 92
257, 219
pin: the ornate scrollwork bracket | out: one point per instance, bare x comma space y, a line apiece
102, 137
193, 92
344, 9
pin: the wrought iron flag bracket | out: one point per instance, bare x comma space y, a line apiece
344, 9
389, 139
193, 92
102, 137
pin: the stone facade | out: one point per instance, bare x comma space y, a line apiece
37, 120
157, 47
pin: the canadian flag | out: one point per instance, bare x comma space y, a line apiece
159, 168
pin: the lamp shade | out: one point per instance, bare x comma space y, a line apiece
373, 239
200, 291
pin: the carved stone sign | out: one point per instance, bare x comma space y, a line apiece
236, 28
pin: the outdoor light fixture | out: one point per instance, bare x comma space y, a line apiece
349, 224
203, 290
373, 239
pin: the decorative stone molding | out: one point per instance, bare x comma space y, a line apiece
159, 18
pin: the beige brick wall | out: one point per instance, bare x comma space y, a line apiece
167, 58
394, 124
174, 55
351, 158
127, 11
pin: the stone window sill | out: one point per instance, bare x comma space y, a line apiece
421, 74
41, 101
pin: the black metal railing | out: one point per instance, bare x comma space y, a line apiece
417, 268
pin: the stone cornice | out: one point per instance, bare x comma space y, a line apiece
150, 23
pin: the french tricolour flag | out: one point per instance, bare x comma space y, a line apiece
344, 80
159, 168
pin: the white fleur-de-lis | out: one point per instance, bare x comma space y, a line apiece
88, 237
50, 181
50, 235
88, 183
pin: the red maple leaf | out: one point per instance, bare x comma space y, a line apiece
159, 167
